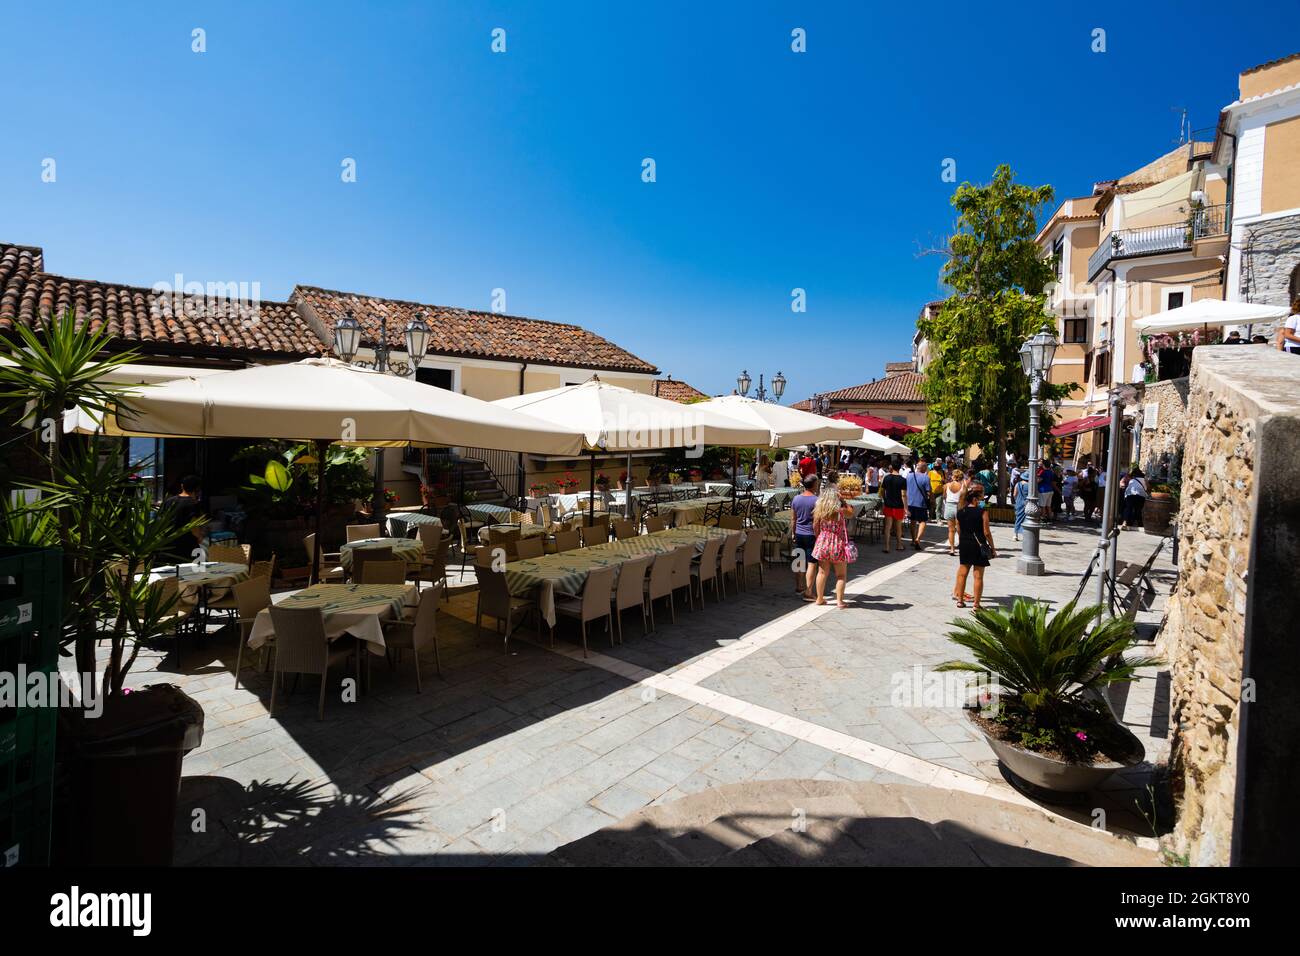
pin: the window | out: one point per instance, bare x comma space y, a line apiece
1075, 330
1058, 252
1174, 300
437, 377
900, 419
1087, 367
1102, 367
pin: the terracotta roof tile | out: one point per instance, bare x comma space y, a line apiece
466, 332
903, 387
144, 317
675, 391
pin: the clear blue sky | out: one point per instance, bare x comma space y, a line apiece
522, 170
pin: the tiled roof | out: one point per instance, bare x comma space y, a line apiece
145, 317
903, 387
465, 332
676, 391
1271, 63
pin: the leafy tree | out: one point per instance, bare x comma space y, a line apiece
975, 388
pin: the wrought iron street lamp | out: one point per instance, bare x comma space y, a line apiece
1035, 358
347, 342
743, 381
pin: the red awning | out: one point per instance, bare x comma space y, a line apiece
881, 425
1076, 426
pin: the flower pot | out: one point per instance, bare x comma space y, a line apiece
1157, 513
1050, 774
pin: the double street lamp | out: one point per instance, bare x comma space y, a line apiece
1035, 358
347, 342
743, 381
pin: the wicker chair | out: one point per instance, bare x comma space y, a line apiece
682, 558
433, 564
659, 584
594, 603
594, 534
727, 559
301, 647
330, 568
630, 592
655, 523
732, 522
251, 596
495, 601
751, 556
419, 632
567, 540
359, 532
533, 547
360, 556
231, 553
382, 572
624, 529
706, 567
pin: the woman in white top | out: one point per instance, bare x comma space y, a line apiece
952, 493
1135, 499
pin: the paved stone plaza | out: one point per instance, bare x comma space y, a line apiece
509, 758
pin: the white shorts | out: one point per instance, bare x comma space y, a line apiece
1044, 499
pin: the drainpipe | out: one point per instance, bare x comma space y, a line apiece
1227, 225
519, 461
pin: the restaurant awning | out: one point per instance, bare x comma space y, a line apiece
877, 424
1077, 426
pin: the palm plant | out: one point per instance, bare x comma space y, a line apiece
1050, 667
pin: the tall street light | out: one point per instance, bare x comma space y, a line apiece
347, 342
743, 381
1035, 358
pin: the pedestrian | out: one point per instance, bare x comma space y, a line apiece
801, 534
936, 482
763, 474
184, 507
892, 489
873, 477
1099, 495
1020, 498
1046, 486
834, 548
1069, 488
780, 473
1288, 336
952, 493
1085, 487
807, 465
918, 501
1135, 499
976, 549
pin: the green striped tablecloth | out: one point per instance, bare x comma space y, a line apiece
566, 573
402, 523
409, 550
491, 514
775, 526
355, 609
689, 512
525, 531
202, 574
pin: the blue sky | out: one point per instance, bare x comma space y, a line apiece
522, 170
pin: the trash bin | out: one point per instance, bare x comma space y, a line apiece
127, 775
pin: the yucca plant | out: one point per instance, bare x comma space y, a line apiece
1048, 668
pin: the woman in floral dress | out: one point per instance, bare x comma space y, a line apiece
834, 547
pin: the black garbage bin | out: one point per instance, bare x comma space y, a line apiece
126, 774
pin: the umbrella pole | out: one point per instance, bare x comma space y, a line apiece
735, 468
322, 446
591, 483
627, 490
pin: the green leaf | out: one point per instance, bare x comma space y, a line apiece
277, 476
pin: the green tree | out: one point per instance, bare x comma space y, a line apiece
975, 388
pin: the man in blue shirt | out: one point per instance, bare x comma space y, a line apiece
918, 501
801, 532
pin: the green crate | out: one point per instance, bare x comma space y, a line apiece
30, 628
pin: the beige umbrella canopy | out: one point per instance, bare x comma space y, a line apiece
786, 426
327, 401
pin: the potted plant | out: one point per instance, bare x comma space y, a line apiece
622, 480
1160, 508
1046, 715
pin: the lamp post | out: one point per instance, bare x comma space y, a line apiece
743, 381
347, 342
1035, 358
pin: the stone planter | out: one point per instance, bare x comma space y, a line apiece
1054, 776
1002, 513
1157, 513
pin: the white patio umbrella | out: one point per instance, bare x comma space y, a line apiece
786, 426
616, 419
1208, 314
327, 401
874, 441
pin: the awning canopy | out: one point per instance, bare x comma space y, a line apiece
1208, 313
1079, 425
882, 425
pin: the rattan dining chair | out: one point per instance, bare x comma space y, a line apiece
593, 534
705, 568
732, 522
301, 647
362, 555
682, 568
496, 601
251, 596
330, 568
624, 528
359, 532
230, 553
567, 541
751, 556
659, 584
433, 564
533, 547
544, 515
630, 592
594, 603
655, 522
383, 572
419, 632
727, 559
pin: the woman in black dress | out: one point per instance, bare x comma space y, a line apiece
975, 545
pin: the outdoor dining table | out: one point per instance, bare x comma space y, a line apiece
356, 609
775, 527
525, 531
404, 523
489, 514
566, 573
690, 511
410, 550
201, 574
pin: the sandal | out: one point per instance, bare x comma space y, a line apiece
961, 603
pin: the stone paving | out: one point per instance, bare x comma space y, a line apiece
507, 757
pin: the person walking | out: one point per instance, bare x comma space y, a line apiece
873, 478
780, 473
807, 465
834, 548
763, 474
893, 487
976, 548
918, 501
1135, 500
952, 493
1069, 488
1046, 487
1019, 497
1288, 335
801, 534
937, 478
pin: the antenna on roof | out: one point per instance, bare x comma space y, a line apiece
1184, 131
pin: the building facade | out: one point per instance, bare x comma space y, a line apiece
896, 397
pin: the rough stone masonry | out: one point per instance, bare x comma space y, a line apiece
1233, 631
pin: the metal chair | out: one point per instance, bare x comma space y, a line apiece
301, 647
251, 596
594, 603
419, 632
630, 592
359, 532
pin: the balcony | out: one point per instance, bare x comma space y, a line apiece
1203, 223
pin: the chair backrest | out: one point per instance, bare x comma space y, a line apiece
655, 523
503, 535
263, 569
494, 594
594, 534
682, 566
300, 643
712, 513
230, 553
732, 522
309, 544
752, 553
596, 593
729, 546
709, 558
361, 556
383, 572
425, 631
624, 528
631, 582
533, 547
483, 554
430, 537
252, 596
544, 515
567, 540
464, 534
357, 532
661, 575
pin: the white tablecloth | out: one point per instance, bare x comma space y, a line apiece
362, 622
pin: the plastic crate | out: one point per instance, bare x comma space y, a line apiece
30, 610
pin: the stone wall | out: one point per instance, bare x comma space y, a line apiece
1162, 446
1231, 636
1270, 253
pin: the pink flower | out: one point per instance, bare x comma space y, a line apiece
1081, 735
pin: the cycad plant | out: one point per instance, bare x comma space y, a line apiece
1048, 667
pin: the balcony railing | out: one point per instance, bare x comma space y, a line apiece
1202, 223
